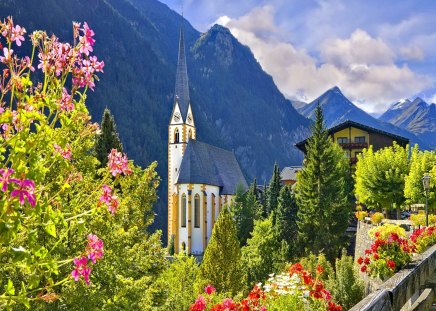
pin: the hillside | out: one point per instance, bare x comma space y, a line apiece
417, 117
138, 42
337, 109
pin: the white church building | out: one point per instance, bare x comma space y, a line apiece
202, 178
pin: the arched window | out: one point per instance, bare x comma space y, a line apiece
197, 211
183, 211
176, 136
190, 134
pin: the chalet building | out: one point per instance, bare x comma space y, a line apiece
353, 137
202, 179
288, 175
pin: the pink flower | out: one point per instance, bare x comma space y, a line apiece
17, 34
86, 40
7, 55
94, 249
65, 153
4, 178
25, 191
66, 102
228, 304
118, 163
110, 200
81, 269
209, 289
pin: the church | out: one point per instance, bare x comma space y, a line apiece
202, 178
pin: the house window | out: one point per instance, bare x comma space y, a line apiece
197, 211
342, 140
359, 139
183, 211
176, 136
190, 134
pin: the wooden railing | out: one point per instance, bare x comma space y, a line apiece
353, 145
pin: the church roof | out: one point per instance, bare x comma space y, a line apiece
181, 94
206, 164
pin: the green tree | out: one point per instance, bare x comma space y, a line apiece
286, 220
380, 177
245, 210
345, 285
107, 139
262, 254
273, 191
421, 163
221, 264
175, 288
323, 203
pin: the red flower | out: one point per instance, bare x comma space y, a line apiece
363, 268
366, 260
209, 289
360, 260
376, 256
319, 269
391, 264
199, 305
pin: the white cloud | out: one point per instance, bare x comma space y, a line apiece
363, 66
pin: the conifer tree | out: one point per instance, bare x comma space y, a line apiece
286, 219
321, 192
221, 264
108, 138
273, 190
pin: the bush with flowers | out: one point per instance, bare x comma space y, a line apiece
390, 251
360, 215
296, 289
377, 218
64, 224
423, 238
419, 219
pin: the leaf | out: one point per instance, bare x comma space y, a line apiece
9, 288
19, 253
50, 228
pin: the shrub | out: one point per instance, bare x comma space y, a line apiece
419, 219
423, 238
377, 218
360, 215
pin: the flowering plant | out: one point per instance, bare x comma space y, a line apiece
419, 219
389, 252
48, 181
360, 215
423, 238
296, 289
376, 218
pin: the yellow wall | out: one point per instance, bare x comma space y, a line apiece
354, 132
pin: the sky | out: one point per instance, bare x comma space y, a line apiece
376, 52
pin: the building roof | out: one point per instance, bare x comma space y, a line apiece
206, 164
181, 94
290, 172
346, 124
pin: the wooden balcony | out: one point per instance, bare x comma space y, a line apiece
354, 145
353, 161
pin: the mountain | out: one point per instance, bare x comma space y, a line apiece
236, 104
417, 117
337, 109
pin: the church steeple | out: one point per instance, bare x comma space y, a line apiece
182, 86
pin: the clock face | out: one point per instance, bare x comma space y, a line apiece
189, 118
177, 117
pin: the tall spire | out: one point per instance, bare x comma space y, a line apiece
182, 87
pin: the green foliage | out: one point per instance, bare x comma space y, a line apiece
107, 139
321, 193
221, 265
380, 176
312, 262
245, 209
345, 285
175, 288
286, 220
421, 163
262, 254
171, 249
273, 192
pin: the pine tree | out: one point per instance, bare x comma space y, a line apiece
221, 264
108, 139
321, 192
286, 220
273, 190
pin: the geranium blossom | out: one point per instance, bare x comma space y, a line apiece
110, 200
94, 249
7, 55
118, 163
25, 191
5, 178
64, 152
209, 289
17, 34
81, 269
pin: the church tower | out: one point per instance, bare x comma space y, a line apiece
181, 129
